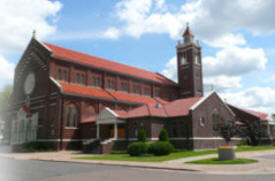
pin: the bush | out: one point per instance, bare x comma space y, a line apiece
137, 148
163, 135
142, 136
32, 147
241, 143
161, 148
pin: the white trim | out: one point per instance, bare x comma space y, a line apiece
58, 140
206, 97
37, 107
43, 44
68, 127
134, 139
56, 83
88, 141
111, 111
202, 138
148, 139
38, 97
53, 104
225, 104
153, 139
201, 101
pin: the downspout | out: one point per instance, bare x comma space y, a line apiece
190, 130
62, 121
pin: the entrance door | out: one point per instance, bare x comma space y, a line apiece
120, 132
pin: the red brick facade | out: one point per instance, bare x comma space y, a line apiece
72, 88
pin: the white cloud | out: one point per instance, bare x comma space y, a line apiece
213, 21
227, 40
257, 98
222, 82
139, 18
6, 69
234, 61
170, 70
111, 33
224, 71
20, 17
160, 4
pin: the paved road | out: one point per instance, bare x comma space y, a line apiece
22, 170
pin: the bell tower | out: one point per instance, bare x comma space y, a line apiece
189, 66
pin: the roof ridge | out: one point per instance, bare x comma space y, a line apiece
165, 77
166, 112
147, 105
245, 110
110, 94
118, 63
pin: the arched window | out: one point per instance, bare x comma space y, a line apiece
74, 117
71, 116
68, 115
77, 78
202, 121
59, 76
216, 119
65, 75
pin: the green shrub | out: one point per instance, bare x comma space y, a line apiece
163, 135
161, 148
137, 148
33, 147
142, 135
241, 143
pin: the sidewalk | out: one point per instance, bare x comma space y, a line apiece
266, 164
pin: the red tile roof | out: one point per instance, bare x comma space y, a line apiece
147, 110
187, 32
261, 115
74, 56
121, 113
132, 98
86, 91
176, 108
89, 119
181, 107
106, 94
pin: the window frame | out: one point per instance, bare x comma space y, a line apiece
71, 117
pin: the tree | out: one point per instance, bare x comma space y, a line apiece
4, 100
163, 135
252, 132
142, 135
227, 130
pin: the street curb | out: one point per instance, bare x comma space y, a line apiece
124, 165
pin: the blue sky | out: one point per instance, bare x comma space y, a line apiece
238, 48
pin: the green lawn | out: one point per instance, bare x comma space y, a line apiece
216, 161
254, 148
172, 156
147, 158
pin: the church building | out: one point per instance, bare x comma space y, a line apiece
71, 100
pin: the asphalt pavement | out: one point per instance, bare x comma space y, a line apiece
30, 170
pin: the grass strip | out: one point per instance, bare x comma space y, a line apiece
216, 161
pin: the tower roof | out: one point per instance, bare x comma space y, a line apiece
187, 31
